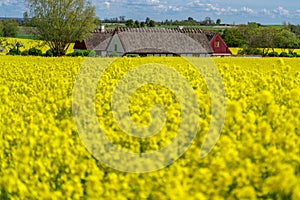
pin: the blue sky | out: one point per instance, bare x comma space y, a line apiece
230, 11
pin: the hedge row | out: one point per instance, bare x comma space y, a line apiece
251, 51
49, 53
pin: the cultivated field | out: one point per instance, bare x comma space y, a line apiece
27, 44
256, 157
234, 50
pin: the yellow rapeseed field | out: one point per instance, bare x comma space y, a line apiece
235, 50
27, 44
256, 157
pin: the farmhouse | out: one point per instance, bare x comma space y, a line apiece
218, 45
148, 42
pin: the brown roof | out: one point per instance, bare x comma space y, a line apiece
172, 42
98, 37
153, 40
210, 35
102, 46
201, 38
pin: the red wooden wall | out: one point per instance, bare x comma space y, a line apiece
219, 46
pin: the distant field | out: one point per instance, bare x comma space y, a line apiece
29, 43
235, 50
24, 30
27, 36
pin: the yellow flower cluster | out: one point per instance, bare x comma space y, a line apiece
256, 157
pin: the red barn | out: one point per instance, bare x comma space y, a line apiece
218, 45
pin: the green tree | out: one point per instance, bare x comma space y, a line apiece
218, 22
136, 24
147, 21
286, 39
233, 37
247, 31
264, 38
190, 19
143, 24
129, 23
97, 21
62, 22
26, 17
1, 29
151, 23
296, 29
9, 28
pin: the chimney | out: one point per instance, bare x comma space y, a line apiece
102, 28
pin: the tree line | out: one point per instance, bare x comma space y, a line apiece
151, 23
8, 28
256, 39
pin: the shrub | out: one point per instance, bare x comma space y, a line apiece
250, 51
294, 54
273, 54
132, 55
71, 54
25, 53
14, 52
49, 53
35, 52
92, 53
79, 53
256, 52
83, 53
283, 54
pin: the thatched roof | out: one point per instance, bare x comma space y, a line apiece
153, 40
210, 35
94, 39
103, 44
201, 38
172, 42
98, 37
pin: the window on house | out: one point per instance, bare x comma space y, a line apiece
116, 47
217, 44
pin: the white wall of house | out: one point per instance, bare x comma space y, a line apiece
115, 46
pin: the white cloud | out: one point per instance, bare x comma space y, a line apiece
167, 8
209, 7
265, 12
152, 1
107, 4
175, 8
160, 7
8, 2
247, 10
281, 11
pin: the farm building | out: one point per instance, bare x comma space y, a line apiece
218, 45
148, 42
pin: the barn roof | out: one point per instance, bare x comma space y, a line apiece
163, 40
153, 40
102, 46
98, 37
201, 38
210, 35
